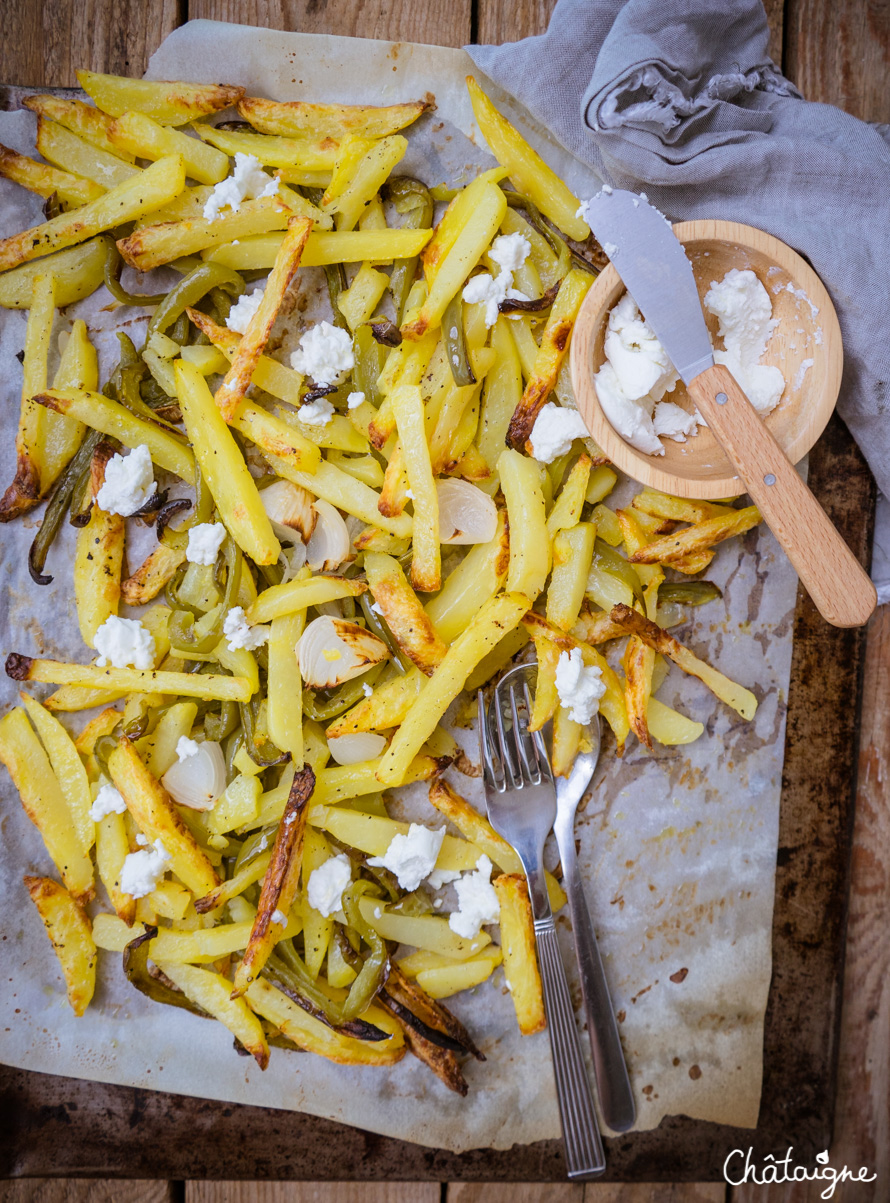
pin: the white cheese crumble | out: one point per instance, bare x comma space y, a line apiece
673, 422
354, 400
412, 857
442, 877
109, 801
240, 634
744, 311
279, 917
316, 413
327, 883
129, 482
243, 310
554, 431
204, 543
247, 182
142, 870
509, 252
366, 689
579, 687
186, 748
124, 643
476, 900
324, 354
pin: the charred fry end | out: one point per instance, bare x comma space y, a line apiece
18, 667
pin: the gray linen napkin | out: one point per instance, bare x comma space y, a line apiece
680, 97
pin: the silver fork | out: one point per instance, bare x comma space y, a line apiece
521, 802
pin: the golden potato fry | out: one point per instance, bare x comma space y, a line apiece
69, 931
388, 705
372, 834
444, 980
98, 558
67, 766
669, 727
269, 374
546, 697
680, 509
346, 492
87, 122
323, 247
278, 600
304, 154
139, 135
698, 538
169, 102
530, 552
317, 930
572, 556
245, 877
152, 575
112, 849
45, 180
76, 155
102, 724
211, 992
520, 957
125, 680
478, 577
639, 661
566, 509
77, 272
403, 613
297, 119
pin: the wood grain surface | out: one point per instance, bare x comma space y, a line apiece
837, 51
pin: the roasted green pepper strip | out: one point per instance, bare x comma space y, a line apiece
255, 845
217, 725
203, 512
688, 593
136, 969
608, 559
181, 626
290, 975
340, 700
376, 967
369, 359
516, 200
382, 631
413, 200
260, 751
61, 499
455, 344
114, 265
191, 289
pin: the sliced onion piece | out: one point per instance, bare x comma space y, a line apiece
330, 544
331, 651
352, 749
466, 514
290, 510
198, 780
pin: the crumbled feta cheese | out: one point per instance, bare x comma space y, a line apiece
670, 421
743, 308
607, 188
327, 883
247, 182
204, 543
239, 633
510, 251
243, 310
316, 413
124, 643
129, 482
324, 354
476, 900
611, 249
186, 747
412, 857
490, 291
142, 870
554, 431
805, 366
442, 877
409, 494
579, 687
366, 689
279, 917
354, 400
109, 801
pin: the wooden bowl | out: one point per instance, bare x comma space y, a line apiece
808, 329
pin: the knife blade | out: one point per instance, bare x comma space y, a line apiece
653, 264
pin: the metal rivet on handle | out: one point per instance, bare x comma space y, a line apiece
769, 479
721, 398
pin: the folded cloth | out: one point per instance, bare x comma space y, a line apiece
680, 97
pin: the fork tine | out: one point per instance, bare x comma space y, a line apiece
512, 772
488, 768
524, 747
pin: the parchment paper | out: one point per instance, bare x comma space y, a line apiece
678, 848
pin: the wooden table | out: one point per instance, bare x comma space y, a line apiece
836, 51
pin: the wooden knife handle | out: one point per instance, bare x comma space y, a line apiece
839, 586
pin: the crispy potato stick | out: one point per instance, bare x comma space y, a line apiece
158, 819
407, 1000
304, 154
341, 246
566, 509
317, 930
572, 556
442, 1061
44, 803
251, 346
170, 900
500, 393
423, 931
78, 368
394, 494
280, 883
360, 300
206, 945
223, 468
284, 717
496, 618
546, 697
595, 628
113, 419
478, 577
152, 575
137, 680
149, 190
369, 175
372, 834
98, 558
736, 696
388, 705
404, 614
112, 849
111, 934
235, 885
279, 600
71, 153
316, 1037
698, 538
670, 727
527, 170
472, 241
102, 724
152, 246
68, 768
680, 509
455, 218
345, 492
87, 122
520, 958
530, 553
297, 119
566, 742
139, 135
441, 981
72, 939
639, 661
283, 382
552, 351
77, 272
30, 479
70, 189
211, 992
171, 103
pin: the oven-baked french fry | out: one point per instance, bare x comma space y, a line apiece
275, 436
527, 170
546, 699
139, 135
211, 992
280, 883
497, 659
423, 931
566, 509
572, 554
152, 575
403, 613
551, 353
77, 272
112, 849
72, 939
387, 706
158, 750
294, 596
324, 247
701, 537
283, 382
205, 945
727, 691
317, 930
69, 152
426, 561
245, 877
103, 724
442, 981
478, 577
149, 190
82, 119
67, 767
520, 957
44, 803
101, 413
361, 298
238, 378
45, 180
306, 154
167, 101
680, 509
298, 119
98, 558
455, 218
566, 742
369, 174
409, 1002
595, 628
670, 727
500, 393
78, 368
332, 484
639, 661
372, 834
284, 716
496, 618
223, 467
126, 680
530, 551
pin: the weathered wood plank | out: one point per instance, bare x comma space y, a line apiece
79, 1190
312, 1192
515, 1192
838, 52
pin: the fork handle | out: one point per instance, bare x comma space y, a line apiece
583, 1147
